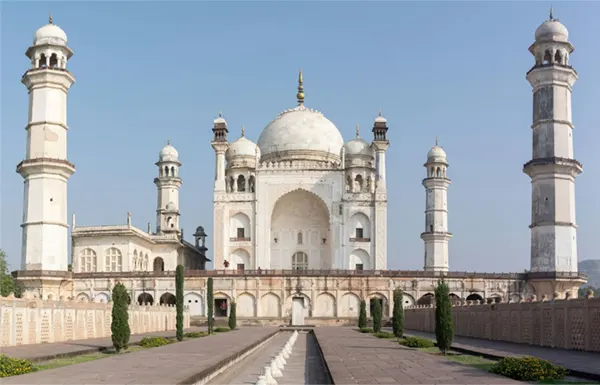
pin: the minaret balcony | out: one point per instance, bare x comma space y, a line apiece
553, 164
31, 70
360, 240
46, 165
242, 239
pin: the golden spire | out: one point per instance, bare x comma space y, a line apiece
50, 18
243, 131
357, 131
300, 94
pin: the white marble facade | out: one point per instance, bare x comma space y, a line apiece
301, 198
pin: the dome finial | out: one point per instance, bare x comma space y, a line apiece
50, 18
551, 17
243, 131
220, 114
300, 94
357, 131
169, 141
380, 112
436, 140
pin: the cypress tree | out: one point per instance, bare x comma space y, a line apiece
210, 304
398, 324
232, 316
444, 327
362, 317
120, 318
376, 315
179, 301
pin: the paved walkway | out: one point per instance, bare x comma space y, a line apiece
579, 363
357, 358
45, 352
305, 365
184, 362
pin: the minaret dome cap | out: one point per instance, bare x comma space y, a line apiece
168, 154
50, 34
552, 30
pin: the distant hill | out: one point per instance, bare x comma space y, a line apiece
592, 268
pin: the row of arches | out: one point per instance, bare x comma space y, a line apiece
553, 56
239, 183
49, 60
113, 261
429, 298
436, 172
167, 171
360, 183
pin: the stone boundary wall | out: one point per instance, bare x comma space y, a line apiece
33, 321
568, 324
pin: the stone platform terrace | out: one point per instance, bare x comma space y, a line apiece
356, 358
184, 362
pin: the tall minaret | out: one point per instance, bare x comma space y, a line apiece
46, 169
380, 145
168, 183
553, 168
436, 235
220, 145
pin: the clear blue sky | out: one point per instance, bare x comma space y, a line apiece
149, 71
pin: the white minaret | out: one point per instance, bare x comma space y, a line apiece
553, 168
380, 145
46, 169
168, 183
436, 235
220, 145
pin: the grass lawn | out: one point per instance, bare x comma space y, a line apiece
66, 361
467, 359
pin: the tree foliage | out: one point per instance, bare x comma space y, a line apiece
7, 282
120, 318
210, 304
398, 321
179, 301
232, 316
444, 327
376, 315
362, 317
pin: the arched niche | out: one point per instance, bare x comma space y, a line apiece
359, 260
159, 264
360, 227
145, 299
325, 306
270, 305
349, 305
245, 305
305, 212
239, 259
239, 227
474, 297
427, 299
168, 299
383, 301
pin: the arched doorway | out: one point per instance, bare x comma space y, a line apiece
145, 299
168, 299
427, 299
300, 223
474, 297
159, 264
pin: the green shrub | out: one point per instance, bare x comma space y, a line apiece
398, 314
376, 315
365, 330
221, 329
384, 335
179, 301
210, 304
14, 366
528, 369
119, 326
362, 317
417, 342
195, 334
153, 342
232, 316
444, 327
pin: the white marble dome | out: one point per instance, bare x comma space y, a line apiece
241, 147
50, 34
300, 133
436, 154
552, 30
358, 146
168, 154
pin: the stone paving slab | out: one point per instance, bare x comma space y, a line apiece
357, 358
181, 363
579, 363
45, 352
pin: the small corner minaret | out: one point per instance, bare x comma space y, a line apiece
45, 168
552, 168
220, 145
168, 183
436, 235
380, 145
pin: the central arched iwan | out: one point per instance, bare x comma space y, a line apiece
300, 212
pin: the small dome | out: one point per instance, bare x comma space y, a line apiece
358, 146
241, 147
220, 119
436, 154
50, 34
168, 154
552, 30
300, 133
